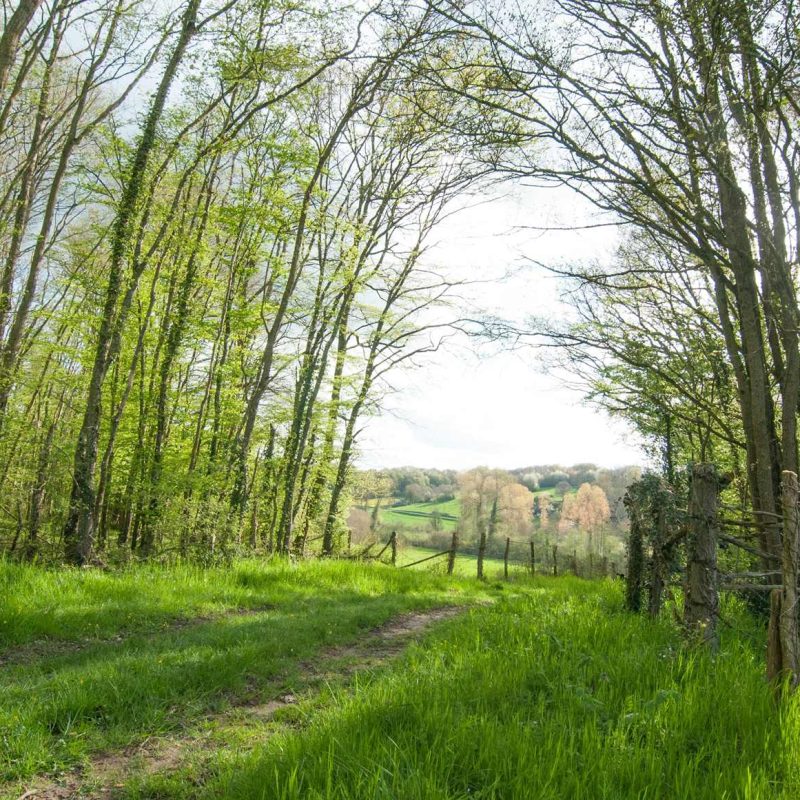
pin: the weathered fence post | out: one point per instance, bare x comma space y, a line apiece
533, 559
505, 558
604, 566
391, 543
701, 608
555, 560
451, 558
349, 541
635, 572
783, 652
574, 564
591, 565
658, 563
481, 552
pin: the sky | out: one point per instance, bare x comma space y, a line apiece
474, 403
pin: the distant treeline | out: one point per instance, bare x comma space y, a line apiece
419, 485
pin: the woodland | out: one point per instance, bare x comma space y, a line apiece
216, 226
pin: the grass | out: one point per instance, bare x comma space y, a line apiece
553, 692
119, 666
79, 604
550, 691
418, 516
450, 507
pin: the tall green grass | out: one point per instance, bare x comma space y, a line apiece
70, 604
556, 693
147, 676
551, 692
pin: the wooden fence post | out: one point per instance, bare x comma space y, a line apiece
701, 608
574, 562
783, 654
391, 543
555, 560
591, 565
659, 567
533, 559
481, 552
635, 572
451, 559
505, 558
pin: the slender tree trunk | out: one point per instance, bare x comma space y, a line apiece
79, 529
10, 349
10, 38
783, 662
26, 182
39, 489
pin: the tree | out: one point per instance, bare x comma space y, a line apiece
515, 510
680, 119
79, 530
202, 301
479, 493
543, 507
588, 510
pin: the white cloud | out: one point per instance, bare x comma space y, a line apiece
459, 409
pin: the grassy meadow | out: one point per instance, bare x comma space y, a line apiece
552, 692
92, 660
421, 516
539, 688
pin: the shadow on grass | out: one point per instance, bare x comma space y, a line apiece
56, 710
42, 606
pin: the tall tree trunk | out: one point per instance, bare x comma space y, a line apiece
173, 342
79, 529
10, 38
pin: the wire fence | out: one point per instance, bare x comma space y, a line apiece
519, 555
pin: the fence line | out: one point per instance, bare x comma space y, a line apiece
428, 558
603, 567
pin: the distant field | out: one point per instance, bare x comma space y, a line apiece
420, 516
448, 507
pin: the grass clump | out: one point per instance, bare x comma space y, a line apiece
554, 693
